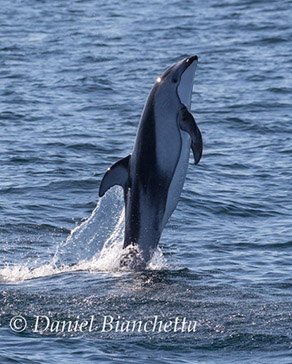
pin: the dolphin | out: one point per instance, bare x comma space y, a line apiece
153, 175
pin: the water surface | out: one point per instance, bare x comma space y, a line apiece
74, 79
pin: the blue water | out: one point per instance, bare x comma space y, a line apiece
74, 79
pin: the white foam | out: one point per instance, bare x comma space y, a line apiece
95, 245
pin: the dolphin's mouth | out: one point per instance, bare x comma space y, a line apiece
185, 86
191, 59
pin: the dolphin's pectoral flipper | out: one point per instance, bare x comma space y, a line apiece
188, 124
116, 175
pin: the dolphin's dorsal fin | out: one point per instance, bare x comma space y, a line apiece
116, 175
188, 124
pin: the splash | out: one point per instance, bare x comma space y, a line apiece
103, 227
95, 245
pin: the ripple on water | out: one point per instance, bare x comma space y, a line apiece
74, 79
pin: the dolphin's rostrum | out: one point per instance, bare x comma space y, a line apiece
153, 175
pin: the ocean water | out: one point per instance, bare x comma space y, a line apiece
74, 78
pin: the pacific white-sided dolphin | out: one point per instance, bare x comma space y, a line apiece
153, 175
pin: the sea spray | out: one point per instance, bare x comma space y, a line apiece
88, 239
94, 245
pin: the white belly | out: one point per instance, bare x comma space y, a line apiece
178, 179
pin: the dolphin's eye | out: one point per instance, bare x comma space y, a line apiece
175, 76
